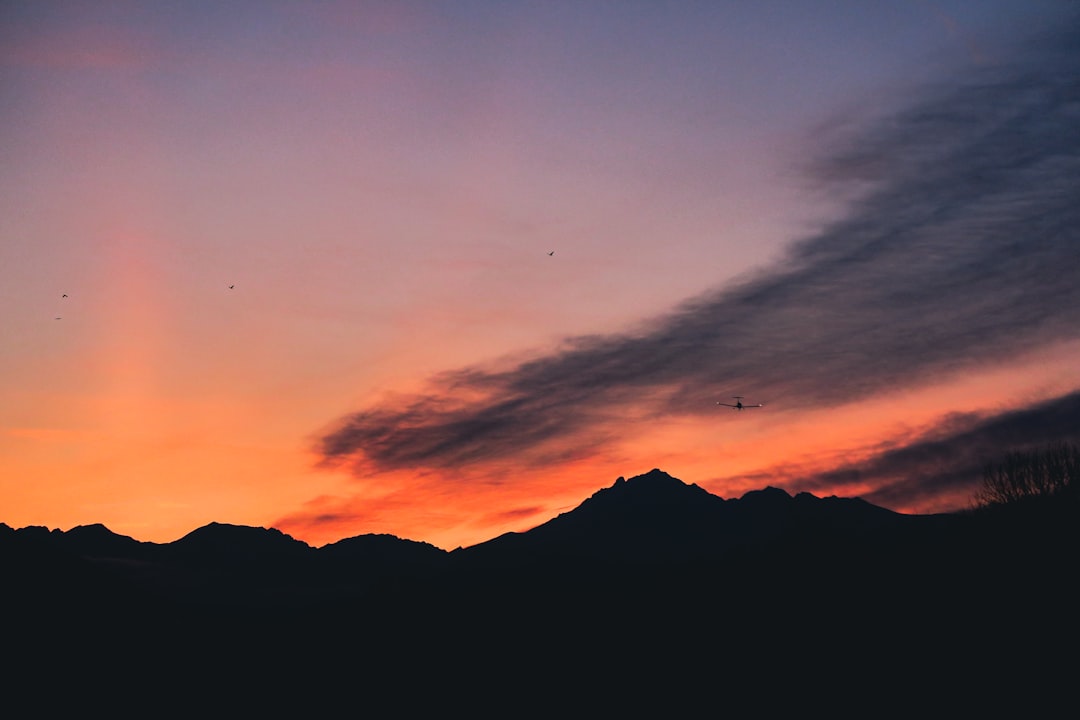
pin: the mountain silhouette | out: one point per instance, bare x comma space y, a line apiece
652, 595
646, 523
651, 521
655, 518
384, 553
222, 542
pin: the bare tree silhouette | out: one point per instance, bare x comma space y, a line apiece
1053, 471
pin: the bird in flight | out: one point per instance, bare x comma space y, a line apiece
738, 404
231, 287
64, 295
551, 253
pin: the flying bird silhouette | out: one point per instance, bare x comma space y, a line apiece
64, 295
551, 253
231, 287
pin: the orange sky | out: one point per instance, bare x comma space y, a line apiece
382, 187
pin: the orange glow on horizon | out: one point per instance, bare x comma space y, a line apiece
160, 468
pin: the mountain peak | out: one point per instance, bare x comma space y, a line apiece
93, 530
656, 475
655, 479
655, 486
225, 539
768, 494
652, 495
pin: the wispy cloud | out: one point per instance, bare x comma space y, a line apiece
962, 251
950, 458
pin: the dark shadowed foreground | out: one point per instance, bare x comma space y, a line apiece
652, 597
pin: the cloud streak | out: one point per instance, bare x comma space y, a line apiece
950, 458
961, 251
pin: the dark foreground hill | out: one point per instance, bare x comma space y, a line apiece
652, 596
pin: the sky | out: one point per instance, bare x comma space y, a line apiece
444, 270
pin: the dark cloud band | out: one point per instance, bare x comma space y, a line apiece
962, 251
953, 456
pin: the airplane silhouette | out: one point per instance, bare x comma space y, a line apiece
738, 405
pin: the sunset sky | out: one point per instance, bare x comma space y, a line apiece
445, 269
